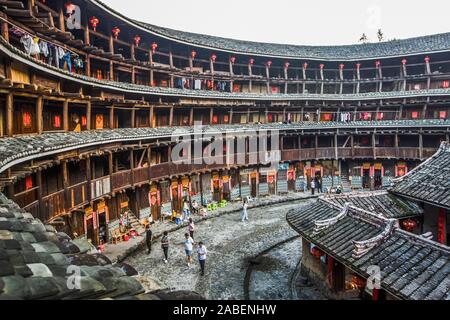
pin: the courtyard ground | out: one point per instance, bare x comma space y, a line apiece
231, 245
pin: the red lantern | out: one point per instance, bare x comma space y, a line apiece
233, 59
94, 22
269, 63
154, 46
213, 57
193, 54
321, 66
358, 66
427, 59
116, 32
251, 61
305, 65
409, 225
28, 183
137, 40
377, 64
445, 84
286, 65
404, 61
57, 121
341, 66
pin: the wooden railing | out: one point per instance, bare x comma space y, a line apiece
27, 197
121, 179
77, 195
53, 205
100, 187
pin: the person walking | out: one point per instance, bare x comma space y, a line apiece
202, 252
186, 211
148, 238
313, 186
244, 215
191, 227
188, 247
195, 207
165, 246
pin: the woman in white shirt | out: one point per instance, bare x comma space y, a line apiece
188, 246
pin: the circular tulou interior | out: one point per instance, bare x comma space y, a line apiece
309, 172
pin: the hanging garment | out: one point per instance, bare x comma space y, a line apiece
43, 46
27, 42
66, 59
35, 46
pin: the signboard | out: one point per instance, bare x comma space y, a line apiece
235, 193
245, 191
282, 186
263, 189
300, 184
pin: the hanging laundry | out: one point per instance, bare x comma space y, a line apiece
43, 47
65, 59
29, 44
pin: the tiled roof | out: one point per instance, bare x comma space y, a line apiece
23, 148
412, 267
429, 182
380, 202
419, 45
35, 260
124, 87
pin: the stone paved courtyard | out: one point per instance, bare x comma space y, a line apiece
231, 244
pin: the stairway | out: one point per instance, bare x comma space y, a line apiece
346, 185
135, 224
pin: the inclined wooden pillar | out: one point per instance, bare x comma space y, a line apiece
5, 31
9, 114
110, 163
151, 115
62, 22
39, 191
133, 117
171, 117
66, 115
89, 177
374, 140
132, 166
39, 114
66, 184
88, 115
191, 116
172, 80
211, 116
421, 145
111, 117
231, 116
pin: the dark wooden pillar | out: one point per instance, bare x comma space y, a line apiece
111, 117
9, 114
66, 115
88, 115
39, 114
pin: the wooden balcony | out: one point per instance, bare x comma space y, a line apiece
141, 175
77, 195
53, 205
121, 180
100, 187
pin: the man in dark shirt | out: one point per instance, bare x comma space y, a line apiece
148, 238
